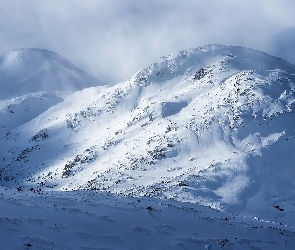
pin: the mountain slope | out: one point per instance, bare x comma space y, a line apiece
212, 125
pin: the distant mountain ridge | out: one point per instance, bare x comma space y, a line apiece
32, 81
212, 125
24, 71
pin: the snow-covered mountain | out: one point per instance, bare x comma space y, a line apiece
212, 126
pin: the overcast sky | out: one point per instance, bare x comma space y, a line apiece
112, 39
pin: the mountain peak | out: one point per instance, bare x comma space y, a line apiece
241, 58
27, 55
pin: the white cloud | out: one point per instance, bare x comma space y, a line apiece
112, 39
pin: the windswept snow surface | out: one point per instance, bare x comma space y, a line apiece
212, 126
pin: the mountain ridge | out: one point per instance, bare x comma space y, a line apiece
40, 70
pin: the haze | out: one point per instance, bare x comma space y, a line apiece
113, 39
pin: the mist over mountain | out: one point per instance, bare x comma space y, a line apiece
211, 126
24, 71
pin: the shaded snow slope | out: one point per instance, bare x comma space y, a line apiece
212, 125
95, 220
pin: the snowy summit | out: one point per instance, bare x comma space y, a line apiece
211, 126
